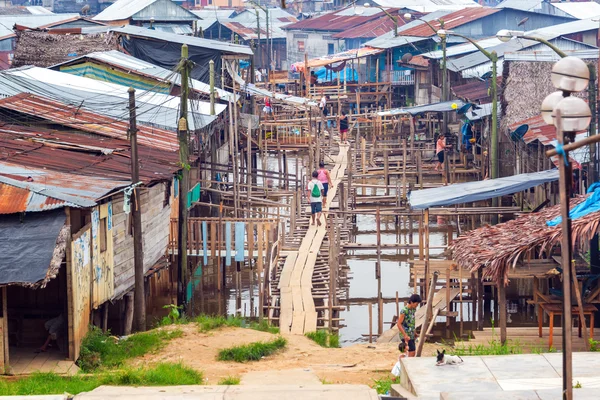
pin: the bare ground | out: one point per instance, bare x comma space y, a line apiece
356, 364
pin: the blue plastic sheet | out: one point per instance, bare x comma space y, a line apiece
228, 243
240, 231
590, 205
204, 242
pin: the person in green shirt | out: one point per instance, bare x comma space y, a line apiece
406, 323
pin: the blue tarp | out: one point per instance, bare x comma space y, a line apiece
205, 241
469, 192
590, 205
239, 241
348, 74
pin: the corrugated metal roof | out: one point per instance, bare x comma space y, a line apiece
567, 28
444, 106
103, 98
452, 21
31, 21
134, 65
15, 199
579, 10
476, 92
548, 55
338, 57
214, 13
387, 40
78, 118
180, 29
225, 47
463, 48
428, 5
245, 23
163, 10
337, 21
78, 163
372, 29
21, 10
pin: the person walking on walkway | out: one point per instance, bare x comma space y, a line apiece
343, 127
325, 179
440, 147
315, 197
407, 323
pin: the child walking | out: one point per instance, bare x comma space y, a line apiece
315, 198
325, 179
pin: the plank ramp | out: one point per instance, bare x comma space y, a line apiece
298, 314
438, 304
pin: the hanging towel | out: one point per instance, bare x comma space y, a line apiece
240, 231
205, 241
228, 243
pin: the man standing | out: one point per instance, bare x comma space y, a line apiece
406, 323
315, 198
343, 127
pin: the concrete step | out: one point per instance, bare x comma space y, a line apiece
240, 392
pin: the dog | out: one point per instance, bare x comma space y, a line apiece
443, 359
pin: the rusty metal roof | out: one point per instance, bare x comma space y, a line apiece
338, 21
451, 21
87, 121
477, 91
15, 199
372, 29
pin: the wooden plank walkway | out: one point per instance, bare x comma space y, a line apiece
298, 314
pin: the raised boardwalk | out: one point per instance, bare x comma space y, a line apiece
298, 314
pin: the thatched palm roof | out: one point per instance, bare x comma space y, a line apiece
495, 249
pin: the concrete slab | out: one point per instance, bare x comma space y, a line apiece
516, 376
553, 394
303, 377
529, 365
241, 392
584, 363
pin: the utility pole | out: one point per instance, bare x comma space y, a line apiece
258, 33
211, 70
184, 181
139, 302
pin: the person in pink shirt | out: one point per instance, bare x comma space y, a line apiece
325, 179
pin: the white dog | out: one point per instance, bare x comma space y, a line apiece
443, 359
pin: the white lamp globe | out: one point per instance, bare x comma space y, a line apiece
575, 114
548, 106
570, 74
504, 35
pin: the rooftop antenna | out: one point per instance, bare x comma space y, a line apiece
522, 22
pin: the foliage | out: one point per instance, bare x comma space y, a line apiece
324, 338
174, 316
208, 323
493, 348
577, 385
252, 352
164, 374
101, 350
230, 380
594, 345
384, 384
264, 326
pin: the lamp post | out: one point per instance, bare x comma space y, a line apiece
408, 16
505, 35
494, 136
569, 114
266, 10
367, 5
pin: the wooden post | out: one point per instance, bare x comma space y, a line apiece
428, 314
136, 216
397, 305
404, 156
378, 273
480, 294
502, 310
331, 275
370, 323
426, 234
5, 361
128, 313
386, 169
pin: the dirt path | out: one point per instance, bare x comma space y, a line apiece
356, 364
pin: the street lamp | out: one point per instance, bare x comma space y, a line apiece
367, 5
266, 10
494, 139
407, 17
569, 115
505, 35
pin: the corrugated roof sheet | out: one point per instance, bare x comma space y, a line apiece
372, 29
83, 120
452, 21
245, 23
125, 9
103, 98
180, 29
215, 13
337, 21
444, 106
225, 47
475, 92
31, 21
428, 5
338, 57
134, 65
15, 199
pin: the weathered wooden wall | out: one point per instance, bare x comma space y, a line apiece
79, 279
155, 231
103, 259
